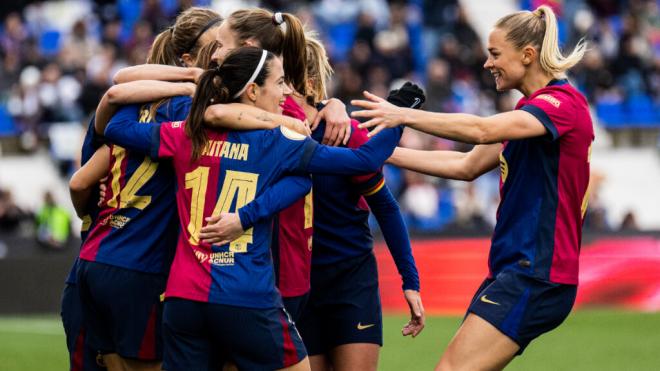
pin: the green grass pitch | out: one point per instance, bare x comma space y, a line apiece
588, 340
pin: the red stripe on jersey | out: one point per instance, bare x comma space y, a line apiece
295, 250
148, 346
290, 352
190, 275
102, 228
78, 352
294, 240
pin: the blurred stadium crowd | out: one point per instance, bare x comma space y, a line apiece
58, 57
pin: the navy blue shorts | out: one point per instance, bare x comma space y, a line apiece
522, 307
201, 336
344, 305
295, 305
81, 356
122, 310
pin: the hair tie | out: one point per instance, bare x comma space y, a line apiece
217, 69
171, 29
278, 19
538, 13
264, 54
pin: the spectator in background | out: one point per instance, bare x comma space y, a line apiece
53, 224
629, 223
78, 47
10, 214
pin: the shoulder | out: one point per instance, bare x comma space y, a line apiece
290, 134
358, 136
292, 109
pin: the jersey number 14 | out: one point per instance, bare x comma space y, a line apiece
237, 184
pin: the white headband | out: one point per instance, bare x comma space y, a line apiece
264, 54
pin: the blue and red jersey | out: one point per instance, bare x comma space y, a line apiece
341, 222
235, 168
91, 143
136, 227
292, 234
543, 188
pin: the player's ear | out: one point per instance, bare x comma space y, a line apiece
187, 60
528, 55
252, 92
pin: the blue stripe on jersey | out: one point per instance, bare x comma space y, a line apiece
524, 234
341, 228
91, 143
146, 242
250, 280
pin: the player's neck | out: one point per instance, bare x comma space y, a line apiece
534, 81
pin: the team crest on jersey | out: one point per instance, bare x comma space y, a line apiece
550, 99
504, 167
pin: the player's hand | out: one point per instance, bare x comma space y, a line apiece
381, 113
102, 190
300, 127
417, 316
221, 229
337, 123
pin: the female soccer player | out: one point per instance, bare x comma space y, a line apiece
119, 259
342, 255
282, 34
544, 161
223, 297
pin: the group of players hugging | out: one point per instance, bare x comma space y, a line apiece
232, 227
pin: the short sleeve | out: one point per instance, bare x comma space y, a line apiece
554, 110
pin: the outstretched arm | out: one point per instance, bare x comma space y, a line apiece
462, 127
367, 158
84, 180
157, 72
387, 213
239, 116
141, 91
449, 164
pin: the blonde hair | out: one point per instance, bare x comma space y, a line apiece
539, 29
319, 69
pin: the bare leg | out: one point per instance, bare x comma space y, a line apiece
300, 366
477, 345
137, 365
113, 362
319, 362
358, 356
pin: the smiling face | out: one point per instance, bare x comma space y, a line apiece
271, 95
504, 61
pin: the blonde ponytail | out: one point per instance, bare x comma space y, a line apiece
539, 29
319, 69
